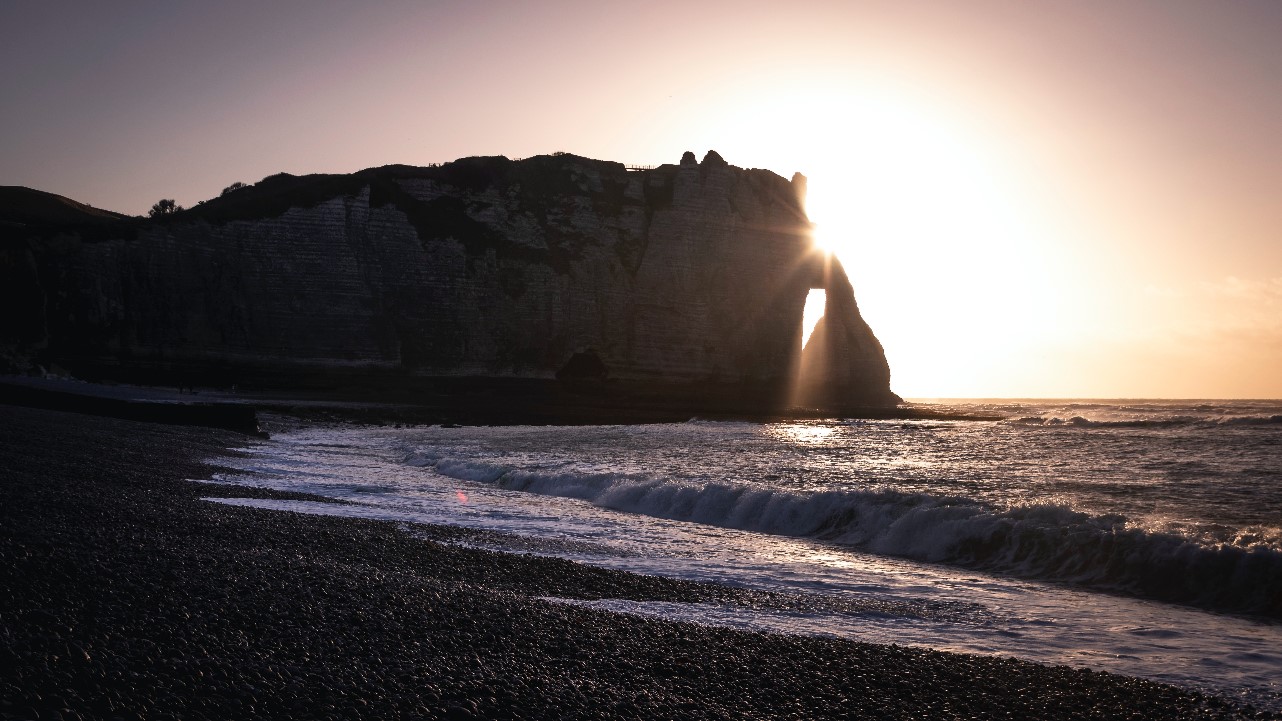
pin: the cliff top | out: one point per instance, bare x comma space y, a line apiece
537, 179
27, 207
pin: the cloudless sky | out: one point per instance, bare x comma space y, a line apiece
1075, 199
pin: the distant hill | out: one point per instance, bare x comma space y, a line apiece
22, 206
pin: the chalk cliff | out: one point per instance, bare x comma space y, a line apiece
688, 275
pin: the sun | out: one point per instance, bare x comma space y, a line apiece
931, 210
949, 261
828, 243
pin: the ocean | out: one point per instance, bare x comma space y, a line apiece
1136, 537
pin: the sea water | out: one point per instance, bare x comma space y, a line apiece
1137, 537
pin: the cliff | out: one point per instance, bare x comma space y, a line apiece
683, 276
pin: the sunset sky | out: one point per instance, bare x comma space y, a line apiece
1033, 199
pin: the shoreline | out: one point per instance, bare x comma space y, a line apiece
465, 404
129, 596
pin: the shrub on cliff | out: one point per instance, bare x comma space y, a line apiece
164, 206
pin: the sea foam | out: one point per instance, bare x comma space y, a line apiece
1043, 541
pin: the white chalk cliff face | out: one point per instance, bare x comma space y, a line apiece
688, 273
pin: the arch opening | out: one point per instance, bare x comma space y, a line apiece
814, 310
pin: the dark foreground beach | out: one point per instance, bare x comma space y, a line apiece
123, 595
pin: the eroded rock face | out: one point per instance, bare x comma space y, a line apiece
843, 359
684, 274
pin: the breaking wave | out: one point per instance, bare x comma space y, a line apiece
1049, 542
1168, 422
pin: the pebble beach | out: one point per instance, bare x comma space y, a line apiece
125, 595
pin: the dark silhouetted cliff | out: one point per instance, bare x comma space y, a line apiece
689, 276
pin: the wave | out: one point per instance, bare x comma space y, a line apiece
1048, 542
1168, 422
1252, 420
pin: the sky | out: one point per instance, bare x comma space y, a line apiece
1032, 199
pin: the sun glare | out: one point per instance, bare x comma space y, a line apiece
925, 211
939, 246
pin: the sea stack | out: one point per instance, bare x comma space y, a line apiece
687, 280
